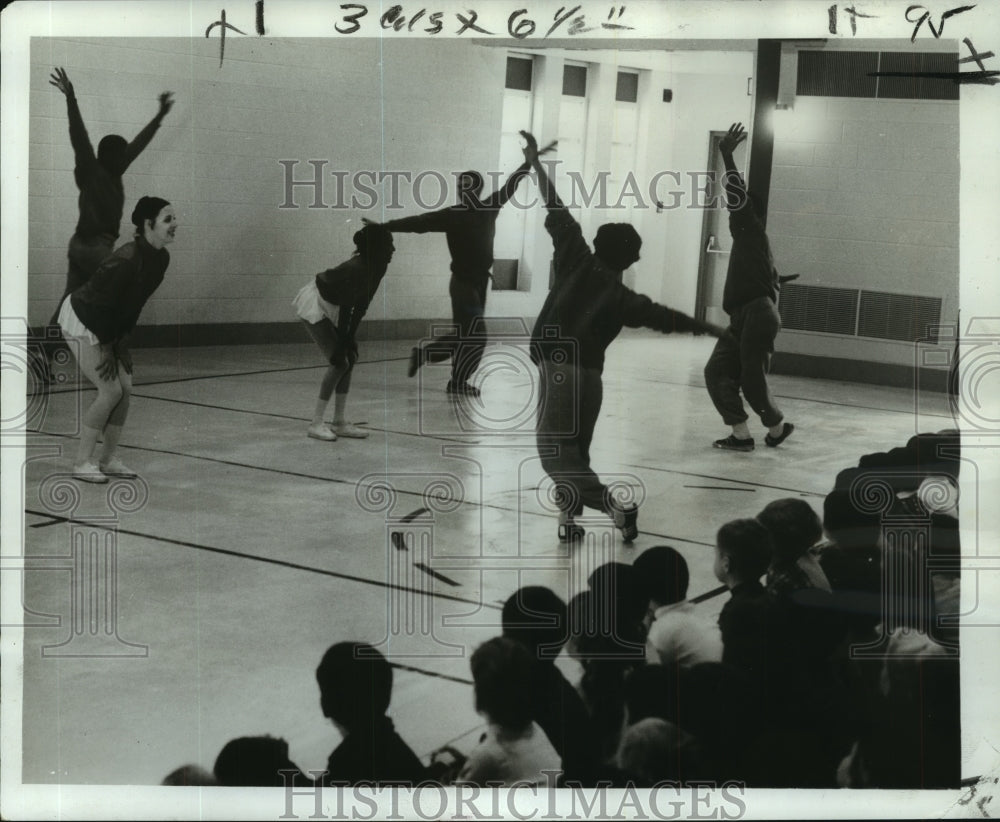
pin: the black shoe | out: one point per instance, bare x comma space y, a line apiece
626, 520
415, 363
734, 443
774, 442
462, 388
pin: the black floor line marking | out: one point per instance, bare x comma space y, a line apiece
298, 474
86, 387
676, 539
709, 594
402, 359
47, 524
722, 488
436, 574
221, 461
414, 514
296, 419
435, 674
724, 479
398, 541
273, 561
401, 491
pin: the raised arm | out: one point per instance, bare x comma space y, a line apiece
545, 185
82, 149
142, 139
500, 197
736, 189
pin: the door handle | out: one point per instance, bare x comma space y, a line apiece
712, 248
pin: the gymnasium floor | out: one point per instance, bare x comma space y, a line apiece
246, 549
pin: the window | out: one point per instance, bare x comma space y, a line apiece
627, 90
574, 81
519, 73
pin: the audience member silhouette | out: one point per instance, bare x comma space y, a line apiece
742, 556
794, 528
677, 632
537, 618
188, 775
256, 762
355, 683
514, 748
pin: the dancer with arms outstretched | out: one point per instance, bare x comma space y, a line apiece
587, 306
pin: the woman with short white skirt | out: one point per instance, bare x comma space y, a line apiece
96, 320
331, 307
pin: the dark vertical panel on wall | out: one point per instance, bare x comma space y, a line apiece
766, 98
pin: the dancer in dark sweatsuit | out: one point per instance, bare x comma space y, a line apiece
743, 354
99, 179
469, 228
584, 312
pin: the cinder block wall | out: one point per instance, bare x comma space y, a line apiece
865, 194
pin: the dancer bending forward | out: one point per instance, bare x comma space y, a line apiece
331, 306
96, 320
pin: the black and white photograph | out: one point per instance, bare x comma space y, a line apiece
500, 410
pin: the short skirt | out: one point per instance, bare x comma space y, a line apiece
312, 308
72, 327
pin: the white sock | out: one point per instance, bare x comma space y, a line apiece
320, 412
777, 430
741, 431
88, 444
339, 404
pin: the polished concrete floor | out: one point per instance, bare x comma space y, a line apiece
175, 612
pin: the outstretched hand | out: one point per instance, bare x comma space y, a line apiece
549, 148
709, 329
166, 102
531, 150
60, 80
733, 138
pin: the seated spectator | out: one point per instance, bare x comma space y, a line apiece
514, 748
914, 740
620, 606
189, 775
536, 618
720, 707
607, 652
794, 528
652, 691
677, 633
355, 683
651, 751
255, 762
742, 556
